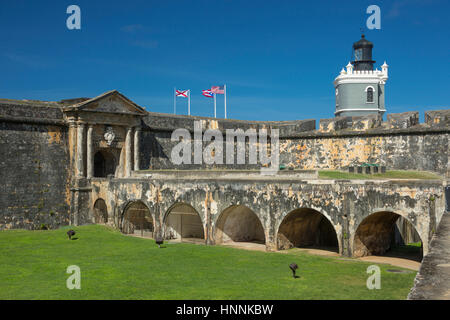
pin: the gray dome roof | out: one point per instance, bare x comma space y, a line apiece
363, 43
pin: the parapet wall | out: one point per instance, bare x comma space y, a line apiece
400, 143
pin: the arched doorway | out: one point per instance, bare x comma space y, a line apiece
137, 220
104, 164
306, 227
379, 235
239, 224
183, 223
100, 212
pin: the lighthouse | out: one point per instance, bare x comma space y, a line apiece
360, 90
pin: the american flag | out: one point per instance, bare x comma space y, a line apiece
208, 93
218, 89
182, 93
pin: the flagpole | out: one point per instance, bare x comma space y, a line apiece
174, 100
189, 102
214, 105
225, 99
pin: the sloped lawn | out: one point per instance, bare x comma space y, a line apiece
114, 266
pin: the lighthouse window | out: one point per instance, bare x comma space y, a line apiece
369, 94
358, 54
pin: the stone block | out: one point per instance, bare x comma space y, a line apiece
283, 242
438, 118
334, 124
403, 120
362, 123
295, 127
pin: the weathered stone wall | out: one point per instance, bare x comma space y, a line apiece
399, 144
344, 204
156, 144
432, 280
34, 167
406, 151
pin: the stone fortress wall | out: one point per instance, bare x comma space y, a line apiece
401, 143
36, 164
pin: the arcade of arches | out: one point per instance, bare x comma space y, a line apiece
376, 234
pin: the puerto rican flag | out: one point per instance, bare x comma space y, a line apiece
182, 93
218, 89
208, 93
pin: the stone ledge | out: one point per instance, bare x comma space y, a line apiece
226, 174
26, 120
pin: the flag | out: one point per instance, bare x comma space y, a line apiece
182, 93
208, 93
218, 89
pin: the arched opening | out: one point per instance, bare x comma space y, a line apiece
239, 224
137, 220
104, 164
304, 228
100, 212
184, 224
387, 234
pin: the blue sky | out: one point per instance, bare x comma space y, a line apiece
278, 58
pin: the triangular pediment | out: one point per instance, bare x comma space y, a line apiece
109, 102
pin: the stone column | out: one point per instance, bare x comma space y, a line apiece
80, 150
207, 215
73, 147
270, 233
137, 132
128, 158
90, 154
74, 208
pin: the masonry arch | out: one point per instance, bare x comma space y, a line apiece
137, 220
104, 164
379, 234
183, 223
239, 223
306, 227
100, 212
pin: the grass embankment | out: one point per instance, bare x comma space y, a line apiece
333, 174
113, 266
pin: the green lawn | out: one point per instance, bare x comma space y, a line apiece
395, 174
113, 266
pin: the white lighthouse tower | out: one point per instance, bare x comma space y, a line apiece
360, 89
